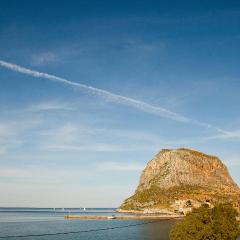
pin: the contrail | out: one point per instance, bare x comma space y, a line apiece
100, 92
111, 97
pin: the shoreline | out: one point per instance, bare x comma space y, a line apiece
124, 217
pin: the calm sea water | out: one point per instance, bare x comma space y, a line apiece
24, 221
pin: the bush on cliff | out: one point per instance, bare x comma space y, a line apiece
204, 223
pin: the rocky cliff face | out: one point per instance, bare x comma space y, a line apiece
177, 180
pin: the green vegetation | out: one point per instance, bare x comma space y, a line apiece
156, 197
204, 223
197, 153
165, 150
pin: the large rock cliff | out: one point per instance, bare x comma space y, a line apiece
174, 181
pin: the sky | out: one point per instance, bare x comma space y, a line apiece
90, 91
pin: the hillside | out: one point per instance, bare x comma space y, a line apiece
175, 181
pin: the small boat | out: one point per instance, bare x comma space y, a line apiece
84, 209
111, 217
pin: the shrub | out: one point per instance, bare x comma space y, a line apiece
204, 223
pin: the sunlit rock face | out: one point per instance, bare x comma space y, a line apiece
180, 179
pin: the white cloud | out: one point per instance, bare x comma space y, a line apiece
74, 137
108, 96
91, 147
120, 166
44, 58
39, 174
82, 138
111, 97
3, 150
11, 132
7, 130
65, 134
51, 105
227, 135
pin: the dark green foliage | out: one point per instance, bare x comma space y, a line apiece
204, 223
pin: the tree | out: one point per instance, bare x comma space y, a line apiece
204, 223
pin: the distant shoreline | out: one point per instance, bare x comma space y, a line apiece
124, 217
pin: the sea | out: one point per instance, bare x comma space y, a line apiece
50, 224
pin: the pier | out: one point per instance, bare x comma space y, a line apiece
123, 217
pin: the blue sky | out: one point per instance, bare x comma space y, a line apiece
171, 76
